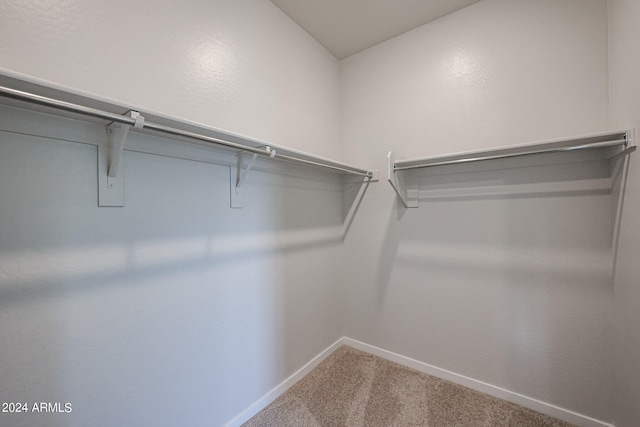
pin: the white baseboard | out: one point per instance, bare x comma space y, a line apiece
501, 393
285, 385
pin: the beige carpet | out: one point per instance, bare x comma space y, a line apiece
352, 388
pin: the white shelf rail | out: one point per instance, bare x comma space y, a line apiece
613, 144
131, 121
110, 190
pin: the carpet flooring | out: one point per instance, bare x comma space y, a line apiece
353, 388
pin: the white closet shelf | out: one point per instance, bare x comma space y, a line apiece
22, 91
604, 146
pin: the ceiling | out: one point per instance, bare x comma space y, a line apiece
345, 27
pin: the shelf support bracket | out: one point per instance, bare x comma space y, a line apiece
399, 183
110, 177
239, 176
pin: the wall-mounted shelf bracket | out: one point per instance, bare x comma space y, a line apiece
239, 175
611, 146
374, 176
110, 177
401, 183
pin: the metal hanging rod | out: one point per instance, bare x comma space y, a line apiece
605, 140
341, 168
65, 106
113, 117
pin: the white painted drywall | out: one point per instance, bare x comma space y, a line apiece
243, 66
514, 290
624, 57
174, 310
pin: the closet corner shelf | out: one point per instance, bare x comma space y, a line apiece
608, 145
26, 92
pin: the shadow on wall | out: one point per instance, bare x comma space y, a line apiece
511, 266
165, 302
354, 190
49, 272
54, 234
456, 209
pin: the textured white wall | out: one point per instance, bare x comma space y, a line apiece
174, 310
624, 57
243, 66
514, 291
111, 308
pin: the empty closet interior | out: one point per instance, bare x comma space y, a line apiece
200, 202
